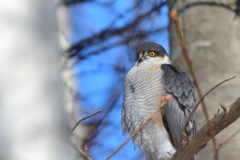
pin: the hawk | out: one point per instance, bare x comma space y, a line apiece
151, 77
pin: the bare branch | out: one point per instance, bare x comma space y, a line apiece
227, 140
84, 119
200, 139
173, 16
70, 3
217, 112
79, 150
195, 108
163, 103
86, 150
108, 33
216, 156
224, 107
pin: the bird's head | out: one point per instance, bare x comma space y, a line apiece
152, 52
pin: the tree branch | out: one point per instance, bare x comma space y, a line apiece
108, 32
79, 150
163, 103
174, 17
200, 139
196, 106
216, 156
84, 119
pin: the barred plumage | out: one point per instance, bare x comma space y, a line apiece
145, 84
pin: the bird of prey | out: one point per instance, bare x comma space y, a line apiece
152, 77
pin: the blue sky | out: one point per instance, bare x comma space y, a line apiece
96, 76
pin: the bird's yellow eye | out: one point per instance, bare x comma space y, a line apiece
151, 54
140, 55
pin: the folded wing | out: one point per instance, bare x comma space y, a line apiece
181, 104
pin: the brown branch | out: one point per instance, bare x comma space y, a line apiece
79, 150
225, 142
173, 16
217, 112
86, 150
84, 119
200, 139
163, 103
195, 108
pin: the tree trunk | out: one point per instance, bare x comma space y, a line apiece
71, 105
31, 93
211, 33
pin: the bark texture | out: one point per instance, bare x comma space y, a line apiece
211, 31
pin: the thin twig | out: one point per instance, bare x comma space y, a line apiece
79, 150
216, 156
86, 150
84, 119
223, 143
199, 140
224, 107
217, 112
173, 16
169, 154
163, 103
227, 140
195, 108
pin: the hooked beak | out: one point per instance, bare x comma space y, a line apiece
140, 57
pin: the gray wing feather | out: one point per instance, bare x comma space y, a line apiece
174, 120
181, 104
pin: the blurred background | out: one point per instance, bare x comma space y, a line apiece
98, 39
105, 34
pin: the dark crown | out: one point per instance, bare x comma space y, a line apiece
150, 46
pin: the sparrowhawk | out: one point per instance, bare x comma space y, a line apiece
152, 77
